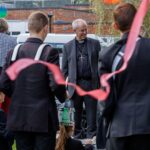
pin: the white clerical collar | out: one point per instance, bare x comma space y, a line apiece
81, 41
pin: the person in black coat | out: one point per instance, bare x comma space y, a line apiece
128, 105
33, 114
80, 66
66, 142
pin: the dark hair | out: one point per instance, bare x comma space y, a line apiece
124, 14
36, 21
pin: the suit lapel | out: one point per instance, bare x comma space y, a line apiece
74, 58
116, 48
89, 50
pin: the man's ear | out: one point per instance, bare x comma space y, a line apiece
46, 28
116, 26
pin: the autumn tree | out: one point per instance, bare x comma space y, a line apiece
105, 19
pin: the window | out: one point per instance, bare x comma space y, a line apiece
15, 32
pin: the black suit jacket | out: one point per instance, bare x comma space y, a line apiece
132, 104
33, 106
69, 62
73, 144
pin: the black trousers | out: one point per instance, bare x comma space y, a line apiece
135, 142
6, 137
5, 144
35, 141
90, 109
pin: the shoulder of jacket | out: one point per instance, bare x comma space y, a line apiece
107, 50
145, 39
92, 40
70, 42
48, 49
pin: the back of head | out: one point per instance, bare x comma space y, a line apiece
124, 14
37, 21
3, 25
64, 134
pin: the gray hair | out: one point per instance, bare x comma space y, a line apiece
77, 23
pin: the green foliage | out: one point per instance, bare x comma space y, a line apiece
14, 146
147, 24
81, 1
105, 19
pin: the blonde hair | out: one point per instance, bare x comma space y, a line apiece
37, 21
3, 25
63, 136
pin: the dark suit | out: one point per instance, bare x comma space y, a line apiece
131, 91
33, 107
73, 144
69, 68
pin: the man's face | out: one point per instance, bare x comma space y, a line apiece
81, 32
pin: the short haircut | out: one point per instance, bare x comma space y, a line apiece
3, 25
36, 21
124, 14
77, 23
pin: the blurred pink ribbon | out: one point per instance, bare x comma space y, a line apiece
98, 94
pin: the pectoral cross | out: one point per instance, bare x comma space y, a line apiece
81, 57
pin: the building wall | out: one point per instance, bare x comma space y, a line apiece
61, 19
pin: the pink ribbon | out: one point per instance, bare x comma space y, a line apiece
21, 64
98, 94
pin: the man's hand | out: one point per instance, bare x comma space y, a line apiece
2, 96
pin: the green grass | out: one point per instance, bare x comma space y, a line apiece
14, 146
